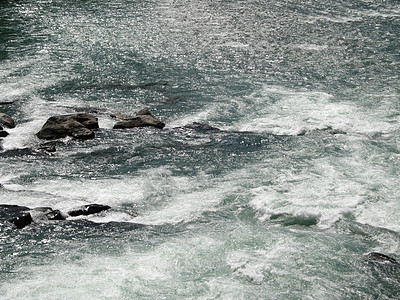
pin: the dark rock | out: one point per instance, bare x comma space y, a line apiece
55, 215
48, 147
7, 121
376, 257
3, 133
88, 210
22, 220
76, 125
120, 116
201, 127
142, 119
6, 102
11, 211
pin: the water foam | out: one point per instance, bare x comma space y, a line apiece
283, 111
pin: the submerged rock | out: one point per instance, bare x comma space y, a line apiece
75, 125
142, 119
375, 257
7, 121
88, 210
201, 127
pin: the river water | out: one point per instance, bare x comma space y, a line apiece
282, 202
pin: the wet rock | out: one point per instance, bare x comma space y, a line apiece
201, 127
7, 121
11, 211
47, 147
55, 215
7, 102
43, 214
22, 220
88, 210
3, 133
375, 257
75, 125
142, 119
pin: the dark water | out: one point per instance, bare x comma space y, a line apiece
283, 202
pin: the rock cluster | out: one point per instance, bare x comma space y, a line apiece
26, 216
79, 126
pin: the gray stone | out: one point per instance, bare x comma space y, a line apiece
142, 119
76, 125
7, 121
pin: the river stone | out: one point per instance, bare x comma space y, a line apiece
142, 119
76, 125
3, 133
22, 220
88, 210
7, 121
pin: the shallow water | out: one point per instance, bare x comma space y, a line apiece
282, 202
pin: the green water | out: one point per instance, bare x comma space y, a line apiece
282, 202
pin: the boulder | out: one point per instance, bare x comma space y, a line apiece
142, 119
75, 125
7, 121
3, 133
22, 220
88, 210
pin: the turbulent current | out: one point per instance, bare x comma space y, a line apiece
290, 181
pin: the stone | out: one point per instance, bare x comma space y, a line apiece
142, 119
88, 210
7, 121
376, 257
201, 127
78, 126
55, 215
22, 220
3, 133
11, 211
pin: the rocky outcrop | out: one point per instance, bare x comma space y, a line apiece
22, 216
6, 121
142, 119
79, 126
88, 210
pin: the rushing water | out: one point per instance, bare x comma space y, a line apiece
282, 203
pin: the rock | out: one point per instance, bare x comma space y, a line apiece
3, 133
7, 121
88, 210
76, 125
48, 147
201, 127
376, 257
11, 211
43, 214
55, 215
120, 116
142, 119
6, 102
22, 220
